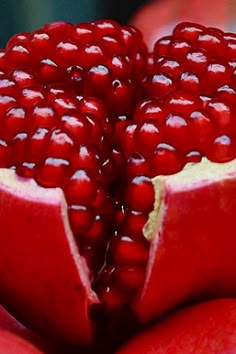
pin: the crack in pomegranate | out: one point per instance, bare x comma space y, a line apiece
85, 108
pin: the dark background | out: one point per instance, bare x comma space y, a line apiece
27, 15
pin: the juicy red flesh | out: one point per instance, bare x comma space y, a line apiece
47, 141
83, 107
64, 90
190, 101
187, 114
101, 59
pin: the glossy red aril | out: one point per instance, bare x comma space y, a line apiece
121, 159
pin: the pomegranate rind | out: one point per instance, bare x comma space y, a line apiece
44, 281
192, 239
12, 344
158, 18
207, 327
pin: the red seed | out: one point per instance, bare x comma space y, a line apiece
137, 166
6, 102
169, 67
162, 46
126, 251
177, 133
76, 124
128, 140
49, 71
96, 234
26, 169
193, 157
41, 45
60, 145
129, 278
18, 55
36, 145
43, 116
215, 76
189, 82
222, 149
7, 86
166, 160
83, 32
211, 41
66, 53
19, 145
98, 76
81, 218
196, 61
147, 137
31, 96
227, 94
14, 122
5, 154
189, 31
221, 114
81, 189
179, 48
134, 223
201, 130
18, 38
183, 103
150, 110
86, 157
53, 172
140, 194
159, 85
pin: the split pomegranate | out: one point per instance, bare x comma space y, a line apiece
117, 175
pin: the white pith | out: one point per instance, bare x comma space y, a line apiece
193, 176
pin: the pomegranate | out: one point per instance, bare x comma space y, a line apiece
207, 327
12, 344
157, 18
118, 168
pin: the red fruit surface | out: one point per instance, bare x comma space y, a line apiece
157, 18
189, 258
121, 212
12, 344
46, 345
57, 292
207, 327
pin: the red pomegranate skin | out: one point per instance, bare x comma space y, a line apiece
46, 345
58, 149
207, 327
58, 293
157, 18
11, 343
